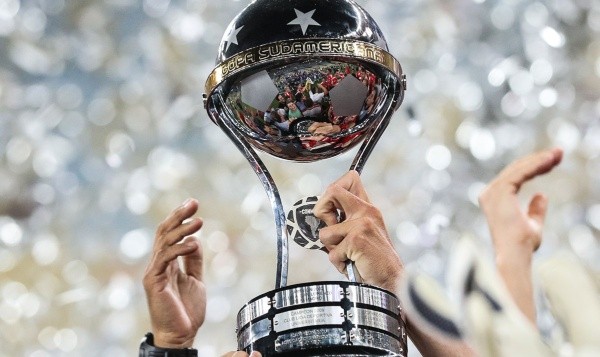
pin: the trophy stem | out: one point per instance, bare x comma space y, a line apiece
363, 154
374, 135
273, 193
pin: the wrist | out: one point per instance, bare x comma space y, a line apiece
165, 340
514, 260
148, 348
515, 240
393, 278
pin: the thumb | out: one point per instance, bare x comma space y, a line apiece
537, 208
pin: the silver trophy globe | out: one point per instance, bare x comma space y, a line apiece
306, 80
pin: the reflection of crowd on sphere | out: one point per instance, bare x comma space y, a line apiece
303, 109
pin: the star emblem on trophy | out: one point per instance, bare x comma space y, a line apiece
312, 82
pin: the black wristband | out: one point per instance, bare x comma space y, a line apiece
147, 349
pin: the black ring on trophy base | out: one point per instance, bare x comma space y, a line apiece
332, 318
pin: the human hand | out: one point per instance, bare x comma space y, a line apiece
361, 236
176, 297
516, 233
511, 227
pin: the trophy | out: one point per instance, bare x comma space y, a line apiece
306, 80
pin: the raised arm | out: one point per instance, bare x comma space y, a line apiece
176, 295
361, 236
516, 232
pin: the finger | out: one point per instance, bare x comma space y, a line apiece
349, 238
177, 216
537, 208
326, 209
351, 181
338, 257
328, 205
521, 171
558, 155
255, 354
332, 236
339, 198
162, 258
526, 167
193, 261
178, 233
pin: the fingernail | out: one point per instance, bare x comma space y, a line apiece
186, 202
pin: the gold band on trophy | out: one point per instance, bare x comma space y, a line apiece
301, 48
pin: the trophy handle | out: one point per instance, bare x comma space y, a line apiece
372, 137
272, 192
374, 134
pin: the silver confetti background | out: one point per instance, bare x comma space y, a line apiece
102, 133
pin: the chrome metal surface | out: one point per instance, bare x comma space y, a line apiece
374, 297
323, 317
301, 340
372, 318
270, 188
312, 316
317, 293
365, 337
254, 332
253, 310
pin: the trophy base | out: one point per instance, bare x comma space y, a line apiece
323, 319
